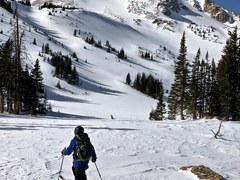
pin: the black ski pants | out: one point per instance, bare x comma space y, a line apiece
79, 173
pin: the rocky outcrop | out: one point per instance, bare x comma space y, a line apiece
196, 5
217, 12
164, 6
203, 172
152, 9
170, 5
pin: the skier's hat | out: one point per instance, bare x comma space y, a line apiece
78, 130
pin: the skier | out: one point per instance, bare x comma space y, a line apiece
83, 151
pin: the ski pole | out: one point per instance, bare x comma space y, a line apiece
98, 171
60, 168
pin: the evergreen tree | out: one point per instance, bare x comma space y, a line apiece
38, 90
2, 77
158, 113
17, 39
121, 54
194, 86
208, 87
92, 40
6, 5
128, 79
59, 85
228, 78
46, 48
143, 83
107, 44
67, 67
180, 87
74, 77
150, 88
37, 77
28, 91
75, 32
7, 72
34, 41
214, 96
137, 82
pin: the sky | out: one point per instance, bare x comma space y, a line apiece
231, 5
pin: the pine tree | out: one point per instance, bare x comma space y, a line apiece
143, 83
92, 40
74, 77
158, 113
137, 82
75, 32
38, 90
228, 78
121, 54
7, 72
181, 82
208, 87
27, 90
2, 77
17, 39
34, 41
150, 88
214, 97
194, 86
128, 79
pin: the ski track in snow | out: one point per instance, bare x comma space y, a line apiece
127, 150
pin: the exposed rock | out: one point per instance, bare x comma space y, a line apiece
196, 5
152, 10
170, 5
217, 12
164, 6
203, 172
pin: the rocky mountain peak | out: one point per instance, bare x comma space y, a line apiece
217, 12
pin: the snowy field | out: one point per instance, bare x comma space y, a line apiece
126, 149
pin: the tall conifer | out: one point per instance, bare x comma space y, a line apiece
228, 78
194, 86
180, 87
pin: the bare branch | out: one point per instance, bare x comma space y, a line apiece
218, 131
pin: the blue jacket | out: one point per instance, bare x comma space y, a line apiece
71, 148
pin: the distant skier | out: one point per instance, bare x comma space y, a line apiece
83, 151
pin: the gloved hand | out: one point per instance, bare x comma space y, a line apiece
94, 159
63, 151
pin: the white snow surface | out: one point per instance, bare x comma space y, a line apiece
129, 147
126, 149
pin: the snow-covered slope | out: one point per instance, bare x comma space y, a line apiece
124, 25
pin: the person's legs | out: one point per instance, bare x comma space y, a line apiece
79, 173
73, 171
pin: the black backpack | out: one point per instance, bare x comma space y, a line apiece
84, 147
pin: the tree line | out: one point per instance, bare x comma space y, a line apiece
149, 85
202, 89
63, 65
120, 54
6, 5
21, 89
